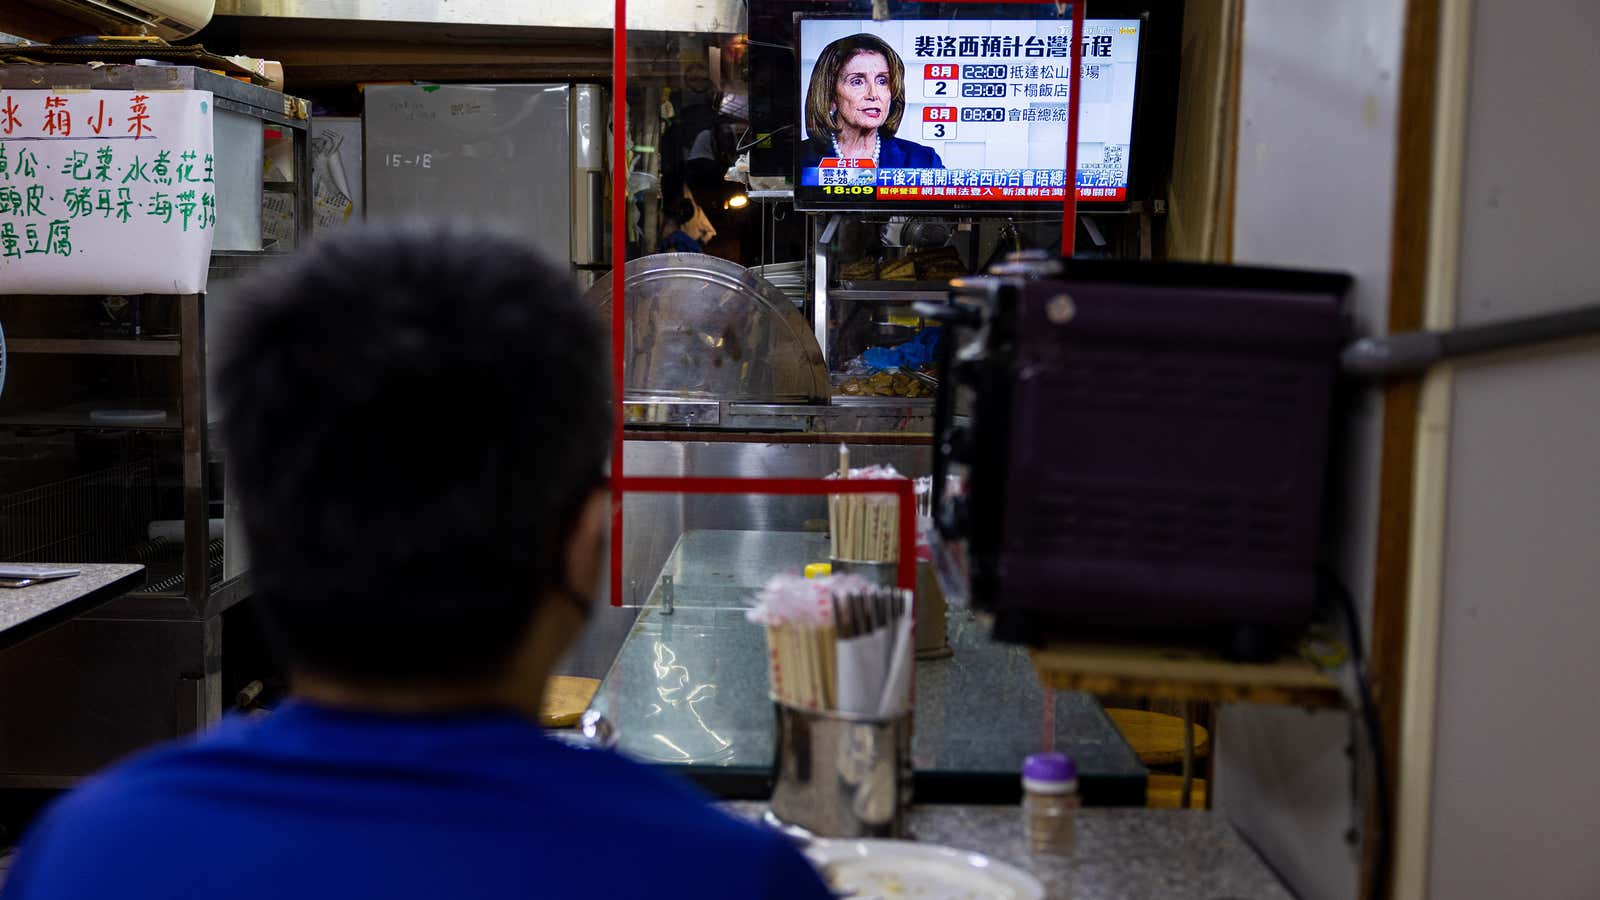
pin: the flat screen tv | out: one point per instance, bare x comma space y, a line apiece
965, 114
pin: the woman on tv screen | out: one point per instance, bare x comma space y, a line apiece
854, 104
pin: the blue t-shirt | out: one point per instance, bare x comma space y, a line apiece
679, 242
310, 803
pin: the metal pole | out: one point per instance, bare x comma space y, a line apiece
1069, 200
192, 367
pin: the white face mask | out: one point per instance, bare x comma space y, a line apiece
588, 596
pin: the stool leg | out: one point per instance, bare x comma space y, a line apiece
1185, 795
1211, 754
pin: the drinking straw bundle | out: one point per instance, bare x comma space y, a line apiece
864, 527
837, 644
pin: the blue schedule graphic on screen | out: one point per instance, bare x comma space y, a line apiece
969, 111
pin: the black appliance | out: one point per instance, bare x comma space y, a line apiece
1143, 446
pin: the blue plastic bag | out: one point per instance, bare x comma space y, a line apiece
916, 353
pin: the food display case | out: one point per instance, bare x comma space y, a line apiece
713, 346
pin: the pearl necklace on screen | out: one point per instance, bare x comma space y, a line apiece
877, 145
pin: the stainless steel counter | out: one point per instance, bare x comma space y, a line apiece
26, 612
688, 689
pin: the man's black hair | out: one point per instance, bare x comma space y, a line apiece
414, 416
680, 211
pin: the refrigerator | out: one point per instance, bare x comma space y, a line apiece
524, 157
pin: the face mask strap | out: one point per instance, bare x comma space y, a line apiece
580, 603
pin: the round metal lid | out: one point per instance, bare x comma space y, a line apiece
700, 327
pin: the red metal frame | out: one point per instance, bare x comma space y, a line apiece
619, 259
1069, 201
620, 482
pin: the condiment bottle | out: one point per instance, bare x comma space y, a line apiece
1050, 801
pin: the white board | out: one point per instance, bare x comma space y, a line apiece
106, 191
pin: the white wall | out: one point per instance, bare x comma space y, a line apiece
1516, 788
1315, 183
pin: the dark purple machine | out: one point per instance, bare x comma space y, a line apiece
1143, 446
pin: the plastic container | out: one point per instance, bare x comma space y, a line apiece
1050, 801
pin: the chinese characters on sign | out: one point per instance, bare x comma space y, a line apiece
1006, 46
106, 191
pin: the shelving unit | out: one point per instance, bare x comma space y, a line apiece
95, 346
82, 417
833, 298
91, 486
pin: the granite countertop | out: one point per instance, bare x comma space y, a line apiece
689, 689
1120, 854
26, 612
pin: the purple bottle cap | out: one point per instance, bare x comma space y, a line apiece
1049, 768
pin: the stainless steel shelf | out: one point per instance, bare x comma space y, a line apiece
230, 594
862, 291
882, 296
228, 93
94, 346
79, 417
247, 256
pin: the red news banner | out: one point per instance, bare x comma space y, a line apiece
106, 191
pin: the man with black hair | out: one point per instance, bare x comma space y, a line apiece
675, 237
417, 421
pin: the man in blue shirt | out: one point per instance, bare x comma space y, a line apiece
417, 423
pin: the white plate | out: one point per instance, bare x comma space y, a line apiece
906, 870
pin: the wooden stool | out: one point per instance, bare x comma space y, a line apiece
565, 699
1166, 792
1157, 738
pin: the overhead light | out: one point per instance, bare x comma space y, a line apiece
737, 201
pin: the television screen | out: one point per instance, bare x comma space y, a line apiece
965, 114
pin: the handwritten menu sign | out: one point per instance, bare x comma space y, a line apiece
106, 191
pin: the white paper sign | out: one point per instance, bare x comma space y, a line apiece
106, 192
